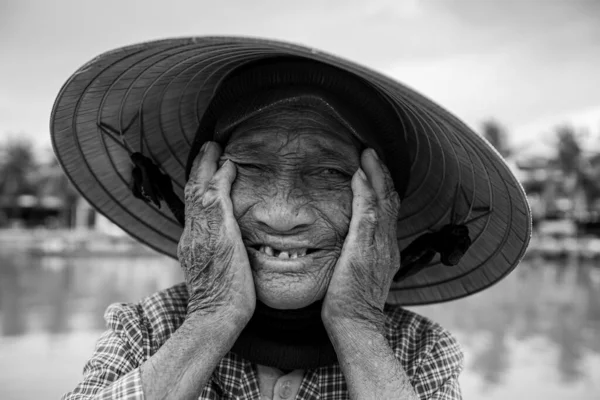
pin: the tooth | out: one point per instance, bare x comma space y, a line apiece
269, 250
302, 252
294, 255
262, 249
284, 254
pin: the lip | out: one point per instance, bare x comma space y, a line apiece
281, 264
283, 244
263, 260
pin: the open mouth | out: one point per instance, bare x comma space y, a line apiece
284, 254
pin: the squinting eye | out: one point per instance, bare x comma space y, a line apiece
251, 167
333, 172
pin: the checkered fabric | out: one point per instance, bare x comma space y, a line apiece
430, 356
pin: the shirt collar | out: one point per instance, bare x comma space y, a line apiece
238, 378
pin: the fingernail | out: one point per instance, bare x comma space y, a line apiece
361, 173
203, 148
374, 153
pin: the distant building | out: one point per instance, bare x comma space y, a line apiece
86, 217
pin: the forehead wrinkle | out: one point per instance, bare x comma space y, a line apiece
323, 150
262, 133
314, 122
289, 118
292, 146
330, 154
311, 132
245, 147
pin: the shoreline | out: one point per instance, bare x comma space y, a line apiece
73, 243
86, 243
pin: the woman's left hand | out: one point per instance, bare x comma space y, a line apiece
370, 256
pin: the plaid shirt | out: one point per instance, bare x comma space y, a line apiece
430, 356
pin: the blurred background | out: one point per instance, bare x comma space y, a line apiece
523, 74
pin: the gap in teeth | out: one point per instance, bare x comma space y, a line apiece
284, 254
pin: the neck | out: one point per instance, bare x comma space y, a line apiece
286, 339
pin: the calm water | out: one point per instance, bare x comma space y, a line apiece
535, 335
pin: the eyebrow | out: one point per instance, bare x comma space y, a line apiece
322, 153
247, 149
258, 149
330, 153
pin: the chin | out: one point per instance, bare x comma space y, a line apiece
287, 295
289, 284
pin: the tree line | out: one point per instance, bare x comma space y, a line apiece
30, 188
569, 171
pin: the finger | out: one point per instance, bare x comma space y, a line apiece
364, 206
377, 173
381, 180
218, 190
223, 178
203, 169
220, 186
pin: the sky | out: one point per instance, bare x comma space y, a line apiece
529, 64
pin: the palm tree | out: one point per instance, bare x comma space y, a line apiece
569, 159
580, 181
17, 163
569, 153
52, 182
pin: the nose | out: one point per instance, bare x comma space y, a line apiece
284, 215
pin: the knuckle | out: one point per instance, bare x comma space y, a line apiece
370, 214
184, 247
388, 180
367, 199
192, 191
392, 203
210, 198
213, 186
386, 174
197, 196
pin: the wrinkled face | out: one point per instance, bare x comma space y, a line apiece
292, 200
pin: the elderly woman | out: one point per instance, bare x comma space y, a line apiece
307, 199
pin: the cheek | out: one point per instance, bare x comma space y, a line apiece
333, 204
245, 193
336, 208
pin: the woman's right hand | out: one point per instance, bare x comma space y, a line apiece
211, 252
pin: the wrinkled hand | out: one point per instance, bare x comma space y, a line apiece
211, 252
370, 256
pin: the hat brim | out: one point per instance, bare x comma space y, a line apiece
160, 89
